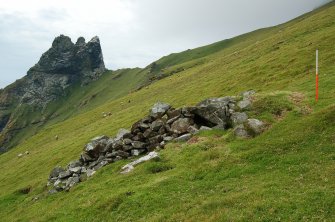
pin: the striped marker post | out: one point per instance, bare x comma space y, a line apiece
317, 77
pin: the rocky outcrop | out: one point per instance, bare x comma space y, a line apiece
163, 125
63, 65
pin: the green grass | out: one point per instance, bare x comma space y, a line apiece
285, 174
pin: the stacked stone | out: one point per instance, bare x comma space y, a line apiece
162, 125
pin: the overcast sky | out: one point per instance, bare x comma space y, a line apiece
133, 33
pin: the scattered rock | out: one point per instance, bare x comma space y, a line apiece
240, 131
205, 128
244, 104
238, 118
183, 138
130, 166
255, 126
164, 124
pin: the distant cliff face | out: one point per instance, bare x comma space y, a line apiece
63, 65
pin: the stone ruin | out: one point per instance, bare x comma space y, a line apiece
163, 125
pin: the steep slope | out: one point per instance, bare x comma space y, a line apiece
285, 174
62, 66
69, 78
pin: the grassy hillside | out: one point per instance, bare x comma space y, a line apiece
79, 99
286, 174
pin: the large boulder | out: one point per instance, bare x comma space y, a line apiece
214, 112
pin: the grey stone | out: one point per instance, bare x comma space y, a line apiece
156, 125
183, 138
138, 145
168, 138
248, 94
75, 169
64, 174
192, 130
53, 191
173, 113
137, 152
90, 173
56, 171
96, 146
181, 125
123, 134
85, 158
217, 102
240, 131
127, 141
238, 118
255, 126
244, 104
159, 109
214, 112
205, 128
71, 181
100, 165
130, 166
74, 164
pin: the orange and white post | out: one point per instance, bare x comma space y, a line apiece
317, 77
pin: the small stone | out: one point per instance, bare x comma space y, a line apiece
55, 172
75, 170
137, 152
168, 138
130, 166
156, 125
240, 131
255, 126
183, 138
238, 118
64, 174
138, 145
244, 104
53, 191
123, 134
127, 141
90, 173
205, 128
192, 130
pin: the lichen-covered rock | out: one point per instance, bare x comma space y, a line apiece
240, 131
238, 118
255, 126
163, 125
159, 109
181, 125
63, 65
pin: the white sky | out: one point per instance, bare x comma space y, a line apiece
133, 33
